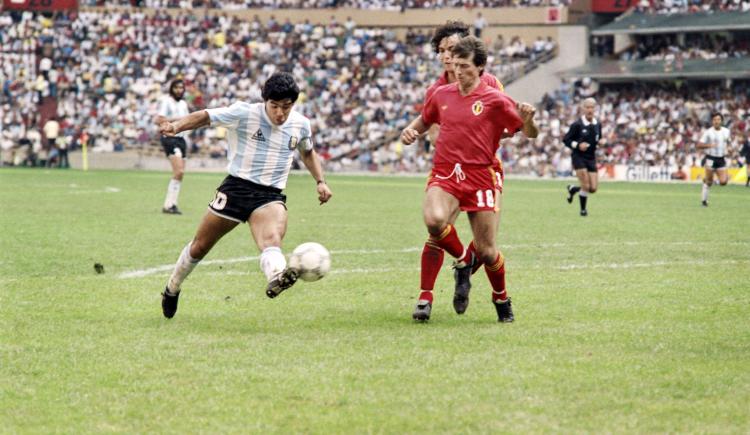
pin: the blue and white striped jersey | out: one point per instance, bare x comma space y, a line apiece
172, 109
260, 151
718, 138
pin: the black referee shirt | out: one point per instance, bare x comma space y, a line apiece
583, 131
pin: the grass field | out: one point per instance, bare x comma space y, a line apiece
635, 319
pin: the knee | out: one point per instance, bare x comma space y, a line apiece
723, 182
435, 224
487, 254
592, 189
199, 249
178, 173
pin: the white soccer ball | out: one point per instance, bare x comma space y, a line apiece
311, 260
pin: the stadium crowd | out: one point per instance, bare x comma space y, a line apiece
641, 124
395, 5
107, 72
691, 6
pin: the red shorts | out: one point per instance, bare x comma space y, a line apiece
476, 187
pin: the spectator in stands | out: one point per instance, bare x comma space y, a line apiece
479, 24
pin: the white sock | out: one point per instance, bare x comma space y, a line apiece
704, 193
583, 193
173, 192
185, 265
272, 262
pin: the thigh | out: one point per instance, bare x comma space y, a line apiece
709, 177
268, 225
177, 163
439, 206
583, 177
722, 175
211, 229
484, 229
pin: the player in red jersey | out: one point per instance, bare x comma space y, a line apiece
473, 117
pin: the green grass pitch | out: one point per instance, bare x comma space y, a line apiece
635, 319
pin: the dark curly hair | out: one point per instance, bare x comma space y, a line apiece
280, 86
449, 28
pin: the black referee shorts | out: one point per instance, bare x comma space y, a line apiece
236, 199
582, 162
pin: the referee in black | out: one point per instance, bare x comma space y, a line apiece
582, 137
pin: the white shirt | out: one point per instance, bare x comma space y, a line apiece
718, 138
171, 108
260, 151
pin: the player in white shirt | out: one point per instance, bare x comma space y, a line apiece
262, 139
714, 141
173, 107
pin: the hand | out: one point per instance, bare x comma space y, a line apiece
324, 193
526, 111
409, 135
167, 129
583, 146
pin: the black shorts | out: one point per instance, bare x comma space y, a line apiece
714, 163
582, 162
236, 199
174, 146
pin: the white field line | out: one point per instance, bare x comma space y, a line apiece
140, 273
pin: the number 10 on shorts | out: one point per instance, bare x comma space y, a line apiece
485, 198
219, 202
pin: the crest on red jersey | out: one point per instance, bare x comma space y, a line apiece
477, 107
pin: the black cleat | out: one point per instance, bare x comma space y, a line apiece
504, 311
584, 213
704, 203
462, 276
171, 210
169, 303
283, 281
422, 311
571, 194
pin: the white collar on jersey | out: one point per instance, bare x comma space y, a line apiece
586, 123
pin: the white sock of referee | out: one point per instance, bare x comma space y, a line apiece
272, 262
185, 265
173, 193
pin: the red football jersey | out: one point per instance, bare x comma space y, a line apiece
470, 126
486, 77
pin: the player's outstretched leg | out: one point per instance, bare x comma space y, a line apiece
280, 277
169, 298
431, 262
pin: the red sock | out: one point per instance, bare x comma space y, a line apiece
432, 261
449, 241
496, 274
425, 295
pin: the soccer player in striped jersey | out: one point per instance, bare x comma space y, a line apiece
262, 140
172, 107
714, 141
473, 116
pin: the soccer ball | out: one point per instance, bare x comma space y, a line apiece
311, 260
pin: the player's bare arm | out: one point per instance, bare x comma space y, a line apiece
311, 160
527, 112
412, 131
191, 122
